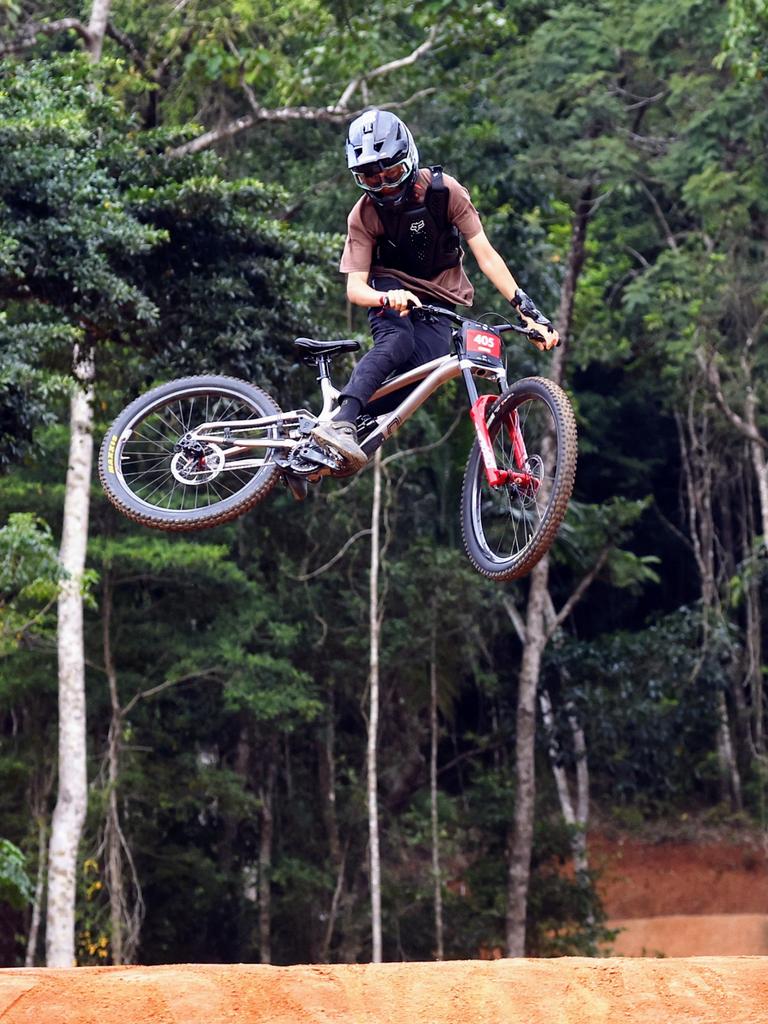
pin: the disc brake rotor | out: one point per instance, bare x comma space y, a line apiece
194, 470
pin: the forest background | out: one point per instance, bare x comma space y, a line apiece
172, 200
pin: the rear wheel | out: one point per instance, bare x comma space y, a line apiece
157, 473
508, 528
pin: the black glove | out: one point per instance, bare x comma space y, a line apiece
525, 308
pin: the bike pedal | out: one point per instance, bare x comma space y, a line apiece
297, 485
319, 457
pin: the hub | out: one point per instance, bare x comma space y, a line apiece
196, 463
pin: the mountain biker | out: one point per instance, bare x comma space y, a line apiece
403, 246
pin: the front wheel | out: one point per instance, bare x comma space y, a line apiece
158, 472
507, 528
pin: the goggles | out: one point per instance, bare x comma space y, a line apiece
375, 181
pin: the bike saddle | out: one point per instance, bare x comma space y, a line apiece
314, 348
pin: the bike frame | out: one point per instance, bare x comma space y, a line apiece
427, 378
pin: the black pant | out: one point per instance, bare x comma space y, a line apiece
400, 343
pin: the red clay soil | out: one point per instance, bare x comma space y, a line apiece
673, 899
682, 899
641, 878
564, 991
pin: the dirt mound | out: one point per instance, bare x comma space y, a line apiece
704, 895
569, 991
644, 878
692, 935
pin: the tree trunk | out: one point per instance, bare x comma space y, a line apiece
757, 451
126, 907
576, 256
37, 903
113, 859
520, 842
97, 26
434, 737
699, 463
730, 781
69, 813
576, 816
754, 633
327, 784
266, 833
373, 716
71, 803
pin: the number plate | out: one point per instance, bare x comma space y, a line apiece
482, 345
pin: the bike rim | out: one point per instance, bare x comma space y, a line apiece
159, 477
508, 519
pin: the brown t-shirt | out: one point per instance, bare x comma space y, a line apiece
364, 227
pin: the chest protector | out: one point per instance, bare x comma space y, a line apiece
420, 240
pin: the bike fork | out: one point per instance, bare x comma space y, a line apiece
499, 477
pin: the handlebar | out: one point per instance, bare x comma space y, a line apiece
428, 310
459, 319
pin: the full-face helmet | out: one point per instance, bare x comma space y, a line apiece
382, 156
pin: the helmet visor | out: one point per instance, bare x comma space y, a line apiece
373, 180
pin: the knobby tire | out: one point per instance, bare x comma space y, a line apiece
166, 405
504, 534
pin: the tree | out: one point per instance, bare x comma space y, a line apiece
58, 196
72, 795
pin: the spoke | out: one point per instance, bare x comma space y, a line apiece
152, 493
164, 417
138, 465
145, 460
138, 476
169, 503
158, 425
146, 453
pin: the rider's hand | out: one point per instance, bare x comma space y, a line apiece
549, 336
401, 300
543, 335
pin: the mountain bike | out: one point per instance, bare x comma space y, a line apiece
202, 450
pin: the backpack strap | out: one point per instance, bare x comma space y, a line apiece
390, 221
437, 197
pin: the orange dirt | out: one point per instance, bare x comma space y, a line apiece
676, 899
566, 991
646, 879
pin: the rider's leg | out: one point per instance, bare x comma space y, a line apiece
399, 344
393, 345
431, 340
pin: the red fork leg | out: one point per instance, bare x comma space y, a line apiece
498, 477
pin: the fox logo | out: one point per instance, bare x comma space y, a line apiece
417, 227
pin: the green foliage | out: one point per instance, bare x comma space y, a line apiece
29, 578
108, 240
648, 702
744, 40
565, 915
237, 659
592, 532
15, 885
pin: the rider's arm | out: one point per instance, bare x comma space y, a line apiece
360, 293
498, 273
